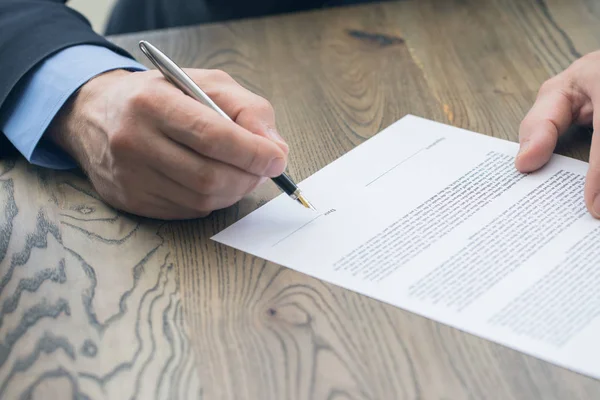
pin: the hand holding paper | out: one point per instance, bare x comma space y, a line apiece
566, 99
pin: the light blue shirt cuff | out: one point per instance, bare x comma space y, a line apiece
38, 100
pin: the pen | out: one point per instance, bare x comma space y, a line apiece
180, 79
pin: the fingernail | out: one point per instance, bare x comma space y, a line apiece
262, 180
596, 205
276, 167
274, 135
523, 148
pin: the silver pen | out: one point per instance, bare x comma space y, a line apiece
181, 80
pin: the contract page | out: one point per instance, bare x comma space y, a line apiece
436, 220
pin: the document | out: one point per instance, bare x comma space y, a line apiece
436, 220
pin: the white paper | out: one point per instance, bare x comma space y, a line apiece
436, 220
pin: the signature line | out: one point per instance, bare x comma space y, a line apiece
281, 240
405, 160
395, 166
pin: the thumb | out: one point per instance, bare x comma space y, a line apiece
551, 115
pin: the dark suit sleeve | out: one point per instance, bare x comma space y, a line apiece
30, 32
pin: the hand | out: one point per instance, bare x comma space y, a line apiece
150, 150
569, 98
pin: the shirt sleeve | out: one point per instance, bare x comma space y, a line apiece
38, 97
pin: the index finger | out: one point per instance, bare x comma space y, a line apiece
246, 108
203, 130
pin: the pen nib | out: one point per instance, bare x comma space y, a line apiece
306, 203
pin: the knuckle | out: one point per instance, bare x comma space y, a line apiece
524, 125
199, 124
529, 120
581, 63
170, 111
206, 142
207, 145
142, 98
545, 87
264, 107
219, 75
208, 181
549, 85
568, 87
563, 85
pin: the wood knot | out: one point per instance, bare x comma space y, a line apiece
290, 314
89, 349
83, 209
378, 39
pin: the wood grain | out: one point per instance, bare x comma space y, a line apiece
90, 299
96, 304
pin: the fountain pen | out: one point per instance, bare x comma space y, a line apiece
181, 80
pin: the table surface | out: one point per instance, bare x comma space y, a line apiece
102, 305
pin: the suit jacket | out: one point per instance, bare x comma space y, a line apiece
31, 31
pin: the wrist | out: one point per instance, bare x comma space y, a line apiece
71, 127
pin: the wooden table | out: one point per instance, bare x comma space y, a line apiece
101, 305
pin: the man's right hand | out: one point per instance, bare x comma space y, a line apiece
150, 150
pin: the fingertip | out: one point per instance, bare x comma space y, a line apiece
276, 167
521, 165
266, 131
525, 161
550, 116
592, 189
281, 149
275, 137
273, 134
592, 198
593, 210
535, 151
284, 147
